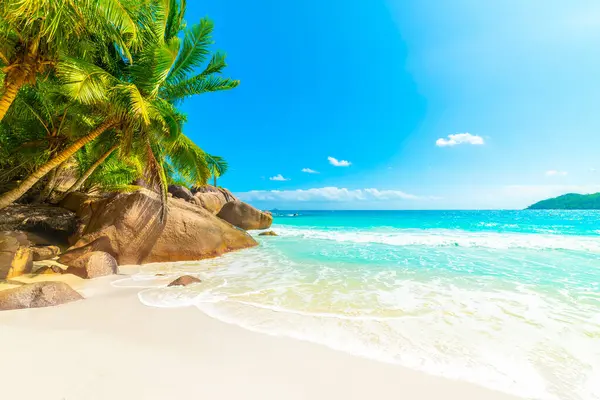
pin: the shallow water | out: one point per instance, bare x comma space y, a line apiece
506, 299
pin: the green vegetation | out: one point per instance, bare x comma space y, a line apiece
571, 201
92, 87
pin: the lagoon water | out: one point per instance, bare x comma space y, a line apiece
505, 299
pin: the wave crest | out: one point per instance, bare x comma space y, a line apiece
448, 238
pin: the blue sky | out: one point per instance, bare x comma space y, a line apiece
378, 83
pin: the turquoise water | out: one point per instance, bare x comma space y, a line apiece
509, 300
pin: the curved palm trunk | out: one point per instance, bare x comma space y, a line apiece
12, 195
10, 92
77, 185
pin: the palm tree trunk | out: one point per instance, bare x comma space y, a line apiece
45, 194
10, 92
215, 181
75, 187
12, 195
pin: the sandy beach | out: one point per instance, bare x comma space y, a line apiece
111, 346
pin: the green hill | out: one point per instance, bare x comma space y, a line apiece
571, 201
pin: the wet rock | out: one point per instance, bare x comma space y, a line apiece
185, 280
268, 233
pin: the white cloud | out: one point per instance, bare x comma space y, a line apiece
333, 194
278, 177
309, 171
459, 138
338, 163
554, 172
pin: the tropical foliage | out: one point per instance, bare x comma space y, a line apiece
91, 89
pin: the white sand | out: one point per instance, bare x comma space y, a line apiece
111, 347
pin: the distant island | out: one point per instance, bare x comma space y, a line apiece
570, 201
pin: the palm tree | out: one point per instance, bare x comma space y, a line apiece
33, 33
217, 166
14, 194
163, 75
138, 100
41, 123
88, 172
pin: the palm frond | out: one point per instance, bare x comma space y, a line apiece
197, 85
174, 23
194, 50
83, 81
188, 161
216, 65
217, 165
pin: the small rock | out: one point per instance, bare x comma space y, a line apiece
41, 294
41, 253
93, 265
184, 280
268, 233
49, 269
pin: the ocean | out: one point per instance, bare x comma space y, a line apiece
509, 300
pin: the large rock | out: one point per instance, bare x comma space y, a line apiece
180, 192
54, 223
41, 294
217, 190
83, 206
79, 203
212, 202
16, 257
93, 265
131, 228
245, 216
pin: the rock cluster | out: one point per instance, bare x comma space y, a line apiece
129, 227
119, 229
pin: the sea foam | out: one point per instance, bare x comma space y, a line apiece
519, 313
448, 237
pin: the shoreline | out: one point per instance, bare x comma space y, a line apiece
111, 346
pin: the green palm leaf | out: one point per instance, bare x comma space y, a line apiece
196, 85
194, 50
